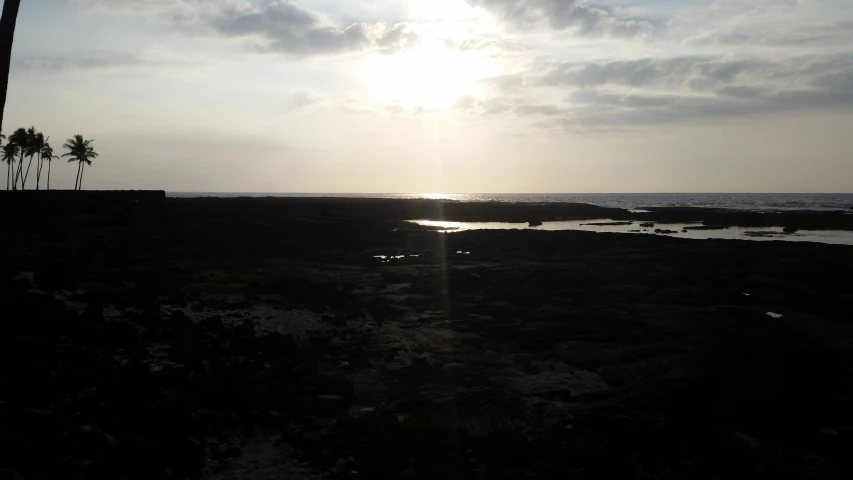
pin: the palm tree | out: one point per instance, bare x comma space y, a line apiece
10, 152
19, 138
86, 160
31, 148
38, 146
82, 152
3, 137
47, 154
7, 35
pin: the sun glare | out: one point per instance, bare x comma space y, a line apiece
431, 75
436, 196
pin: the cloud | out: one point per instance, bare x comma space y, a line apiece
173, 9
278, 26
285, 27
484, 43
667, 90
696, 73
825, 33
466, 102
79, 63
505, 82
538, 109
398, 37
304, 99
575, 15
790, 55
607, 110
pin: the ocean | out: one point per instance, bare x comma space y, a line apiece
761, 202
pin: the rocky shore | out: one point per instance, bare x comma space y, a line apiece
330, 338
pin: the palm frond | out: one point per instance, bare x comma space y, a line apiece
10, 152
19, 137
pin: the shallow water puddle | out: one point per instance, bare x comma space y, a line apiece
389, 258
694, 230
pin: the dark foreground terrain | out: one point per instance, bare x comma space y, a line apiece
300, 338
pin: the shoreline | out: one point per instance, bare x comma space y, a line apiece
744, 202
449, 210
68, 203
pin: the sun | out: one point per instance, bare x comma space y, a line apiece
432, 75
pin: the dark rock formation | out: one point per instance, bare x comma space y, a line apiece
707, 227
338, 320
608, 224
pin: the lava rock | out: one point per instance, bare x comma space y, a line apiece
213, 325
336, 320
331, 404
609, 224
123, 334
55, 276
326, 385
707, 227
180, 320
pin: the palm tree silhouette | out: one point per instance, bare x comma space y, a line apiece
82, 152
7, 35
38, 146
19, 138
10, 152
31, 149
47, 154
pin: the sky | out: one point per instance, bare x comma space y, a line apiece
453, 96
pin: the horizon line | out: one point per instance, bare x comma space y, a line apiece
506, 193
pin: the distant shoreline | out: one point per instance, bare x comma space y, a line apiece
754, 202
432, 195
797, 213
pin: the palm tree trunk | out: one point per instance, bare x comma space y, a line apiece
27, 174
20, 168
77, 180
83, 169
7, 35
38, 172
49, 162
8, 175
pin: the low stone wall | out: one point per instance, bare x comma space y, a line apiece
69, 202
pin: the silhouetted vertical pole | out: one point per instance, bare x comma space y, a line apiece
7, 36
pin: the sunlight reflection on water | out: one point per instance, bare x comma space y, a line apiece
439, 196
